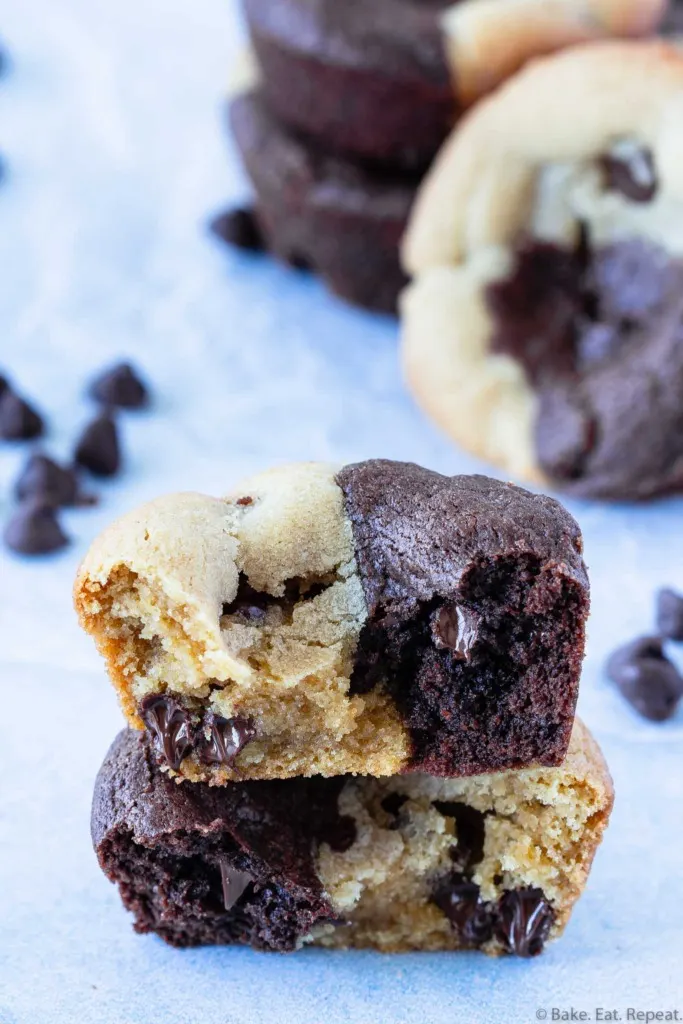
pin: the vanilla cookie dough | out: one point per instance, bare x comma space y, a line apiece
374, 618
543, 327
493, 862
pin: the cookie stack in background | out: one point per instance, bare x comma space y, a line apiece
351, 694
351, 101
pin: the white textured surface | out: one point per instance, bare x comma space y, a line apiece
110, 123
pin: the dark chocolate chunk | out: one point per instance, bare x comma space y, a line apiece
18, 420
393, 803
455, 628
226, 738
43, 478
98, 447
470, 826
340, 834
523, 921
240, 228
670, 614
632, 173
34, 529
120, 386
234, 883
170, 729
646, 678
461, 902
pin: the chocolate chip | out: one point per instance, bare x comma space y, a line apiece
120, 386
18, 420
393, 803
240, 228
523, 921
646, 678
56, 485
98, 447
340, 835
234, 882
456, 628
170, 728
227, 738
670, 614
34, 529
470, 828
630, 170
245, 501
460, 900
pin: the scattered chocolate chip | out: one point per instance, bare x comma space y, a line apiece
234, 882
470, 828
340, 835
120, 386
245, 501
630, 169
34, 529
523, 921
227, 738
240, 228
53, 484
670, 614
646, 678
393, 803
18, 420
455, 627
98, 447
460, 900
170, 728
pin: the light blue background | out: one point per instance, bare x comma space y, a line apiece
111, 123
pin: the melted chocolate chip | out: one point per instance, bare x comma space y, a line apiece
18, 420
393, 803
34, 529
456, 628
461, 902
120, 386
53, 484
170, 729
340, 833
670, 614
470, 825
234, 883
240, 228
523, 921
227, 738
98, 447
646, 678
247, 500
631, 171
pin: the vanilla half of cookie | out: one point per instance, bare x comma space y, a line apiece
543, 327
375, 618
493, 862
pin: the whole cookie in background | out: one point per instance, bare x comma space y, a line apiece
544, 327
385, 80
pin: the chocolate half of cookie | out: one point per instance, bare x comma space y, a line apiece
323, 212
493, 863
377, 619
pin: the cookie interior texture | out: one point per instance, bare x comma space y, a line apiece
491, 862
374, 619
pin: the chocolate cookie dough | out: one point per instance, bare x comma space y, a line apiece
493, 862
324, 212
375, 619
544, 327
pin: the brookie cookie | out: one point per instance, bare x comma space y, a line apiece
322, 212
493, 862
375, 619
386, 80
544, 328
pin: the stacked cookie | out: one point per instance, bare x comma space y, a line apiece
352, 100
351, 696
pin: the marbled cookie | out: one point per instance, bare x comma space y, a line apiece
377, 618
544, 328
386, 80
493, 862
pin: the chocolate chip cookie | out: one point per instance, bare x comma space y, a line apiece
376, 618
494, 862
543, 329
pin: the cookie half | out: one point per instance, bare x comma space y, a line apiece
543, 327
377, 618
386, 80
493, 862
